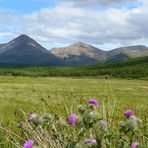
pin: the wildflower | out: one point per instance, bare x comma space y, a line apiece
21, 123
94, 102
135, 144
90, 141
31, 116
128, 113
72, 119
28, 144
103, 125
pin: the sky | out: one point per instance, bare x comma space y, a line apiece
106, 24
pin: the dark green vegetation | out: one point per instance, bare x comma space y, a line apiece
133, 68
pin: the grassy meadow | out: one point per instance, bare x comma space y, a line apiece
63, 95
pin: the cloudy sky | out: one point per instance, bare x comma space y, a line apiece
106, 24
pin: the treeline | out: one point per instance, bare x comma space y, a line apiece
133, 68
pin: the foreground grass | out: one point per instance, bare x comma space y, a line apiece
62, 96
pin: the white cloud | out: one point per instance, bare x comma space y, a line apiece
94, 2
67, 23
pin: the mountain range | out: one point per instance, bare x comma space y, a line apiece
23, 50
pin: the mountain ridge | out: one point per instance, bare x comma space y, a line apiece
24, 50
79, 49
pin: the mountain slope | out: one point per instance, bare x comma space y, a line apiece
131, 51
117, 57
79, 54
1, 45
24, 50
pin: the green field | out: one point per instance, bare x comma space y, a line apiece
62, 95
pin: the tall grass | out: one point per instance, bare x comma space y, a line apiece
61, 97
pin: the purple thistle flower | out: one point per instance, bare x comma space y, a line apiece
90, 141
93, 101
31, 116
135, 144
128, 113
28, 144
72, 119
21, 123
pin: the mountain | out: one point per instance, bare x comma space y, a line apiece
131, 51
79, 54
84, 54
24, 50
1, 45
118, 57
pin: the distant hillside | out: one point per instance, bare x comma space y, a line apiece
131, 51
25, 51
118, 57
133, 68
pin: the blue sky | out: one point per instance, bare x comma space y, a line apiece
106, 24
25, 6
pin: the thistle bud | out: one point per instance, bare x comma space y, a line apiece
122, 124
48, 117
89, 117
80, 122
81, 109
103, 125
37, 120
139, 121
80, 145
92, 107
61, 124
131, 124
97, 116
